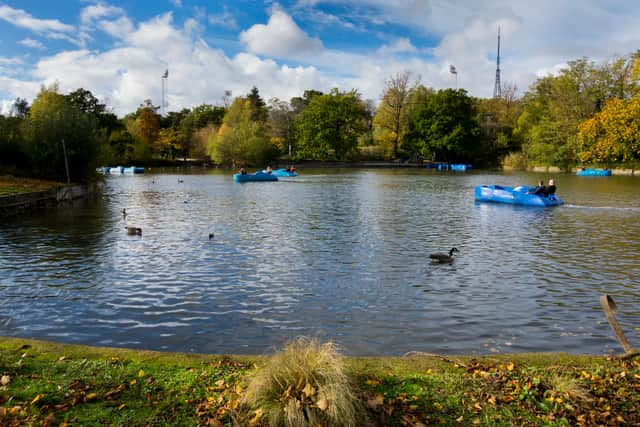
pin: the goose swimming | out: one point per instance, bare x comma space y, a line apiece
443, 258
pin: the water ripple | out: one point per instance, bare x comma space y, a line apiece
336, 255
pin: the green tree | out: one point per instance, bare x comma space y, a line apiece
259, 110
54, 125
330, 126
445, 128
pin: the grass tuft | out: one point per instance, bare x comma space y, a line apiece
304, 385
569, 387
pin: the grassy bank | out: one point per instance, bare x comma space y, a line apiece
10, 185
53, 384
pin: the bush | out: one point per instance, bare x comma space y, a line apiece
516, 161
304, 385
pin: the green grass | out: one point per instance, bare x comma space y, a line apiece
54, 384
10, 185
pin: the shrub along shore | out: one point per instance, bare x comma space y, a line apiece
47, 384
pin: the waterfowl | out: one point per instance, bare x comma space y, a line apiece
124, 213
134, 231
210, 236
443, 258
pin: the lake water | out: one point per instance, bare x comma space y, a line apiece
340, 255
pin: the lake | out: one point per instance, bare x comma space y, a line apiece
332, 254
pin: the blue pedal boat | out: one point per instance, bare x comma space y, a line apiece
284, 173
255, 177
515, 196
594, 172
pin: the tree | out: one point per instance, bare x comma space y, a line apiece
53, 125
20, 108
279, 124
241, 140
446, 127
613, 134
258, 107
147, 128
330, 126
390, 117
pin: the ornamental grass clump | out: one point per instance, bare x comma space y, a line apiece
304, 385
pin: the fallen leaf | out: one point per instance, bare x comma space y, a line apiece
323, 404
89, 397
35, 399
376, 401
49, 421
132, 382
140, 373
308, 390
121, 407
6, 379
256, 418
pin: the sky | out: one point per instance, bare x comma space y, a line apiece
120, 49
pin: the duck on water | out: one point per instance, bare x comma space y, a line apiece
442, 258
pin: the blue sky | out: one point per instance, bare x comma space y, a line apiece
119, 49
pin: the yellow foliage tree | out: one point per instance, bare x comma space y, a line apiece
613, 134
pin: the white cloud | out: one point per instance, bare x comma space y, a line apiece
401, 45
34, 44
92, 13
534, 43
177, 3
281, 38
223, 19
20, 18
10, 61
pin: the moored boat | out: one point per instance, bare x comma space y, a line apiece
133, 170
514, 196
593, 172
254, 177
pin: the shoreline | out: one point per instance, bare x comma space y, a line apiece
47, 383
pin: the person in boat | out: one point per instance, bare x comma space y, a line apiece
551, 188
268, 170
539, 190
291, 168
243, 171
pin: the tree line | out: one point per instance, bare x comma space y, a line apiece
587, 113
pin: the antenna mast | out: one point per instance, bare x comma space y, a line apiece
497, 88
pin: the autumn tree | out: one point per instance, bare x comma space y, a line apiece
280, 123
390, 119
613, 134
240, 140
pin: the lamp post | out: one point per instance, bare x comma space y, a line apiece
452, 70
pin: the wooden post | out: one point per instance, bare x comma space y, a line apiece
609, 307
66, 163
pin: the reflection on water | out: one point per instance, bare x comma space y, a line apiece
339, 255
